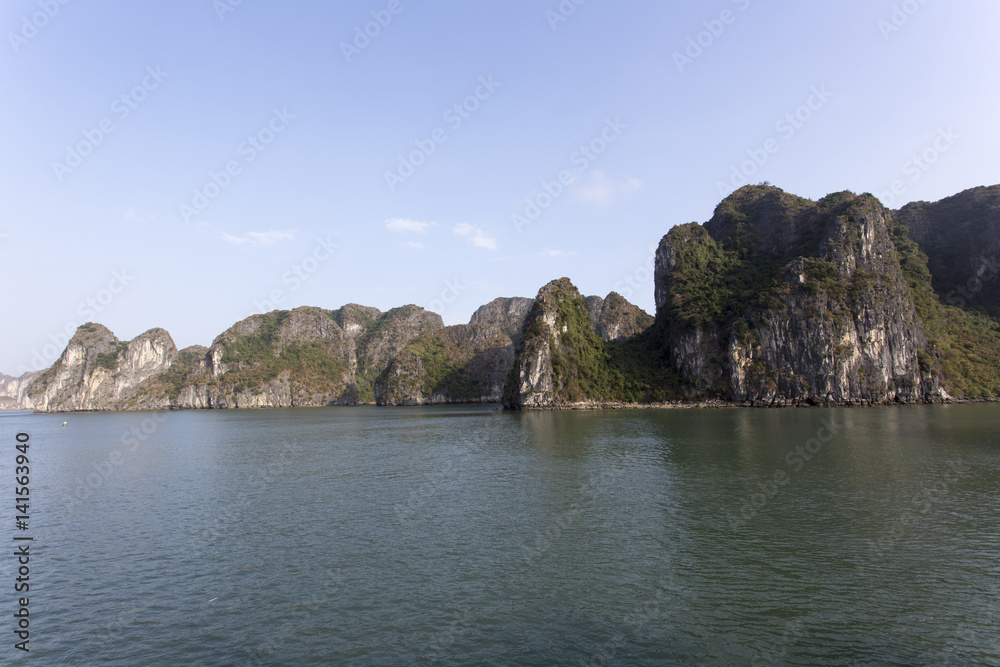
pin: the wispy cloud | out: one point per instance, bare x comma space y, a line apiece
130, 214
412, 244
600, 189
407, 226
475, 236
260, 238
557, 253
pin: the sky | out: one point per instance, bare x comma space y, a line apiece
187, 164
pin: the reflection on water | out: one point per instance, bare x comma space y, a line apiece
458, 535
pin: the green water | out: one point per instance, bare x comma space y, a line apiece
465, 535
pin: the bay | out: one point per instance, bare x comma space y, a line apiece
467, 535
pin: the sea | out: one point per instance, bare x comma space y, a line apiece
466, 535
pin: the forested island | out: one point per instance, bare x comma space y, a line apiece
777, 300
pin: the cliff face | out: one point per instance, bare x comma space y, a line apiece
281, 359
505, 313
98, 372
385, 338
615, 319
775, 300
561, 359
780, 300
961, 237
472, 363
304, 357
467, 363
14, 391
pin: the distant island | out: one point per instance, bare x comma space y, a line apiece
777, 300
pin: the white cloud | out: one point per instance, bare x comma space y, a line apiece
407, 226
600, 189
475, 236
412, 244
260, 238
130, 214
557, 253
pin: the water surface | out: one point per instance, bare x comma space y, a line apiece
466, 535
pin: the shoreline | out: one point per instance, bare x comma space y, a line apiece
563, 407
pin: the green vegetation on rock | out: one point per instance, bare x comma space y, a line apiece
964, 346
109, 360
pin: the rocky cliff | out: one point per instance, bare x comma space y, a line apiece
579, 350
14, 391
97, 371
782, 300
505, 313
779, 300
472, 363
557, 339
615, 319
304, 357
776, 300
961, 237
467, 363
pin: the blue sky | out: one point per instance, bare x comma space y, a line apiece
187, 164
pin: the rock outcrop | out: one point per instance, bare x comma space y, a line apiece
780, 300
467, 363
505, 313
98, 372
561, 359
472, 363
777, 300
14, 391
615, 319
304, 357
961, 237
